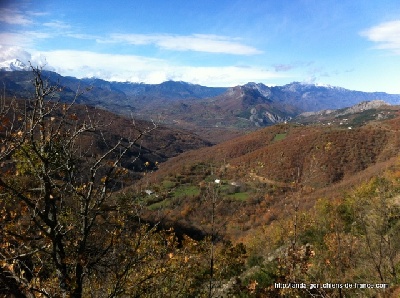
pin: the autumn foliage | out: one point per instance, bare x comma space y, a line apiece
89, 212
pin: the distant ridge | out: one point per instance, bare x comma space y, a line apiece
196, 107
314, 97
360, 107
167, 89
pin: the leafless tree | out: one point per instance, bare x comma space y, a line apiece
56, 198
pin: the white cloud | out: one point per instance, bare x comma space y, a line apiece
57, 25
8, 53
107, 66
283, 67
24, 39
82, 36
13, 39
387, 35
13, 17
225, 76
195, 42
149, 70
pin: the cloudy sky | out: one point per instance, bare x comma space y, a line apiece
349, 43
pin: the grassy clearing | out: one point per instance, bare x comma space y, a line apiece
168, 184
240, 196
159, 205
279, 137
186, 190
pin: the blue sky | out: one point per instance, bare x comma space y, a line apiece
354, 44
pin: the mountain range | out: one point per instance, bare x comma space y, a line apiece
195, 107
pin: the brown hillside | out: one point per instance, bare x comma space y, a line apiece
155, 147
319, 158
273, 169
314, 156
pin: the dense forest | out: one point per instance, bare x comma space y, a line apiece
96, 208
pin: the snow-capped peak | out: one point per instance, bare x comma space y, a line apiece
13, 65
